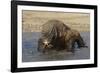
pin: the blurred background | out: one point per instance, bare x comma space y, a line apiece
33, 20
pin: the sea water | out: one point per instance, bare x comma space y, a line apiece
31, 54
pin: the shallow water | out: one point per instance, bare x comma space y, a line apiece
30, 53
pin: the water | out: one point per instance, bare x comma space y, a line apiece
30, 53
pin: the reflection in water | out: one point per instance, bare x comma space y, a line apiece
30, 53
